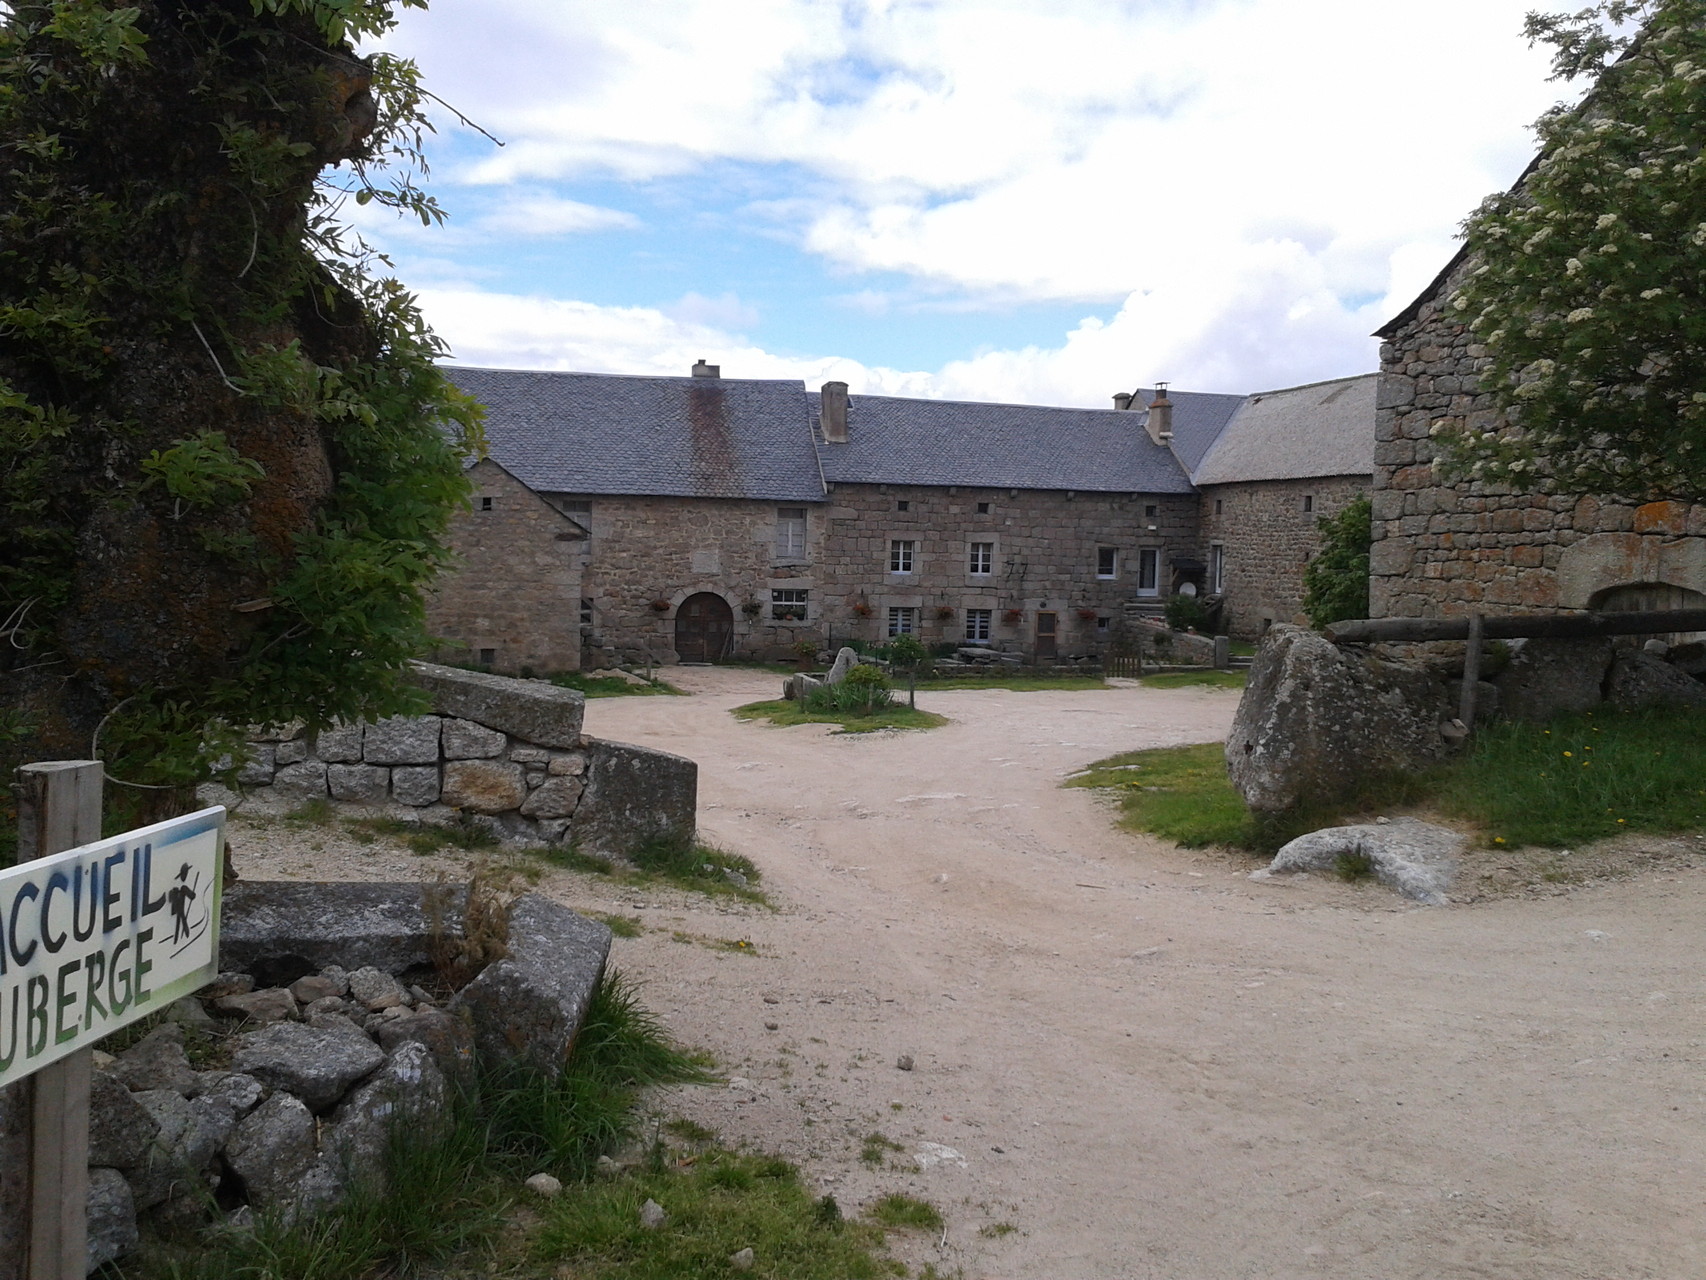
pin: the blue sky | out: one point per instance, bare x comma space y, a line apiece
991, 200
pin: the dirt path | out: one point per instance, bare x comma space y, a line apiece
1144, 1063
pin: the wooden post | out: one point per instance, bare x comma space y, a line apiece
59, 808
1471, 672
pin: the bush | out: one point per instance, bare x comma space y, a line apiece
865, 691
1186, 612
1335, 582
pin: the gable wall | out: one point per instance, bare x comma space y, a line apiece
1443, 550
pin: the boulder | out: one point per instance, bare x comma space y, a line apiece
408, 1090
845, 661
294, 752
484, 786
317, 986
375, 989
341, 744
111, 1218
415, 785
554, 798
300, 782
530, 1004
272, 1151
160, 1172
1549, 678
358, 783
634, 795
448, 1038
258, 769
316, 1065
271, 1004
1415, 858
345, 923
1317, 720
243, 1092
121, 1129
401, 740
1640, 679
539, 712
157, 1061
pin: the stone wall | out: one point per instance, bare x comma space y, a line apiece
1045, 560
1269, 537
525, 618
505, 754
1444, 550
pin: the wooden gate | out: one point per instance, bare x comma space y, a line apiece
1045, 636
704, 628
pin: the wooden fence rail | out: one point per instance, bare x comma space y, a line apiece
1553, 626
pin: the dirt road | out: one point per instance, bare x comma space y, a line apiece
1134, 1062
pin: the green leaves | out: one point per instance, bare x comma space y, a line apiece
203, 471
1335, 582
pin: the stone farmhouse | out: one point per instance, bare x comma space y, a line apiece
1449, 548
623, 519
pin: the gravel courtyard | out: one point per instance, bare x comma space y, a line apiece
1131, 1061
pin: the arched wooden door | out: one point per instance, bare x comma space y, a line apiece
704, 628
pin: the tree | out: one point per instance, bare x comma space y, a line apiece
227, 457
1588, 279
1335, 582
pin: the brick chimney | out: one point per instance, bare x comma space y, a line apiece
703, 370
833, 418
1161, 416
1122, 399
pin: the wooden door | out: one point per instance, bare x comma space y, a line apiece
704, 628
1045, 635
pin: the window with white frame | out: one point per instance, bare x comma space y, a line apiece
586, 611
1217, 568
1149, 571
978, 623
788, 604
901, 554
791, 532
903, 621
1107, 562
981, 561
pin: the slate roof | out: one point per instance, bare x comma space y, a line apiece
1323, 429
998, 446
597, 433
1198, 419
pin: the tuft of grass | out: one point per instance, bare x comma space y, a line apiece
690, 1131
785, 714
612, 686
1197, 679
462, 832
1027, 683
995, 1230
876, 1148
1353, 866
621, 926
904, 1211
570, 858
311, 813
693, 864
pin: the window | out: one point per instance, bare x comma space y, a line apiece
902, 621
1107, 562
978, 622
1149, 571
788, 604
586, 611
488, 657
577, 507
903, 505
1219, 507
900, 556
791, 532
1103, 625
982, 559
983, 508
1309, 502
1217, 568
485, 504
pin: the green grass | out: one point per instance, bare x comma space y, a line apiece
784, 714
876, 1147
686, 864
898, 1210
423, 837
621, 926
1191, 679
1578, 779
1017, 683
612, 686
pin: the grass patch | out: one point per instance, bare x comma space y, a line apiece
1353, 866
783, 714
1017, 683
876, 1147
423, 837
1196, 679
995, 1230
899, 1210
686, 864
621, 926
612, 686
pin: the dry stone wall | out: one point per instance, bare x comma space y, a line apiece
1447, 549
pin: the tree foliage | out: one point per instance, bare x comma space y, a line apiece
227, 457
1335, 582
1588, 279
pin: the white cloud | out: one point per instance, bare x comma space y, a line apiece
546, 215
726, 311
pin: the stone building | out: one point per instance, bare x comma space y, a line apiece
1285, 461
739, 517
1446, 548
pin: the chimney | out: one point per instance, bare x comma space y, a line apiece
1122, 399
1161, 416
703, 370
833, 419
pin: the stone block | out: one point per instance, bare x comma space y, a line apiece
376, 990
341, 744
300, 782
1644, 680
111, 1218
293, 752
466, 740
257, 771
316, 1065
408, 1090
555, 798
529, 755
272, 1150
484, 786
634, 795
313, 926
121, 1129
358, 783
401, 740
450, 1040
415, 785
157, 1061
1550, 678
530, 1004
567, 766
270, 1004
541, 713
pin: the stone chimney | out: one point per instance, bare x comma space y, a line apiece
1122, 400
833, 418
703, 370
1161, 416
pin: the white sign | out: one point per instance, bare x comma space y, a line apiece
97, 937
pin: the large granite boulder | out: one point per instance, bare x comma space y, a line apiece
1415, 858
533, 709
408, 1090
634, 795
1316, 720
1639, 680
273, 1151
1550, 678
530, 1004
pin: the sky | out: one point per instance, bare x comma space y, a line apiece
1035, 201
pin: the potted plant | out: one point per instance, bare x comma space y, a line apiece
862, 609
751, 608
1012, 616
805, 655
1086, 615
943, 613
660, 606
